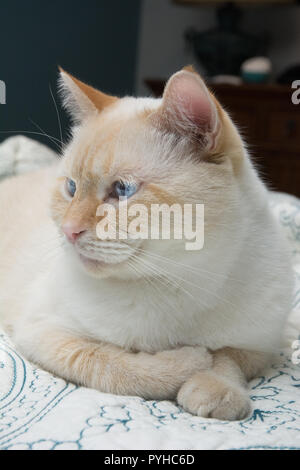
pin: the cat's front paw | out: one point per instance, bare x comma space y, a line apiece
187, 360
207, 395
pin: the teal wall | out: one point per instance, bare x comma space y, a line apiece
95, 40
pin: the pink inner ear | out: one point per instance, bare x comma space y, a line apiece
189, 100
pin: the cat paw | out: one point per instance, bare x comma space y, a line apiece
209, 396
187, 360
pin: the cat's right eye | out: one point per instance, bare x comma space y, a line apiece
70, 187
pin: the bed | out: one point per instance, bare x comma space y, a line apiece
40, 411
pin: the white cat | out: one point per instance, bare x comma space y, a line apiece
146, 317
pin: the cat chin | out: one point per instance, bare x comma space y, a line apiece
94, 267
92, 264
100, 269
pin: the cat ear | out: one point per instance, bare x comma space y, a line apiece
189, 109
81, 100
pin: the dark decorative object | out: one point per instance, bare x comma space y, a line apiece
222, 50
290, 75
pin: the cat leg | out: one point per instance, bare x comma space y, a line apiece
108, 368
221, 392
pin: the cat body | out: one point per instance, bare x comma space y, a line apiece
110, 310
146, 317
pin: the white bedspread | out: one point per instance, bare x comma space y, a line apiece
40, 411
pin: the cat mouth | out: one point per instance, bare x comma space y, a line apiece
95, 263
91, 262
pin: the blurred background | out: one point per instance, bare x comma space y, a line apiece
248, 50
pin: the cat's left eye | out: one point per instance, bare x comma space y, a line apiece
71, 187
124, 189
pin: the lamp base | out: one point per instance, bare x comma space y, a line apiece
222, 50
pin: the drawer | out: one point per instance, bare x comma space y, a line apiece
284, 128
279, 169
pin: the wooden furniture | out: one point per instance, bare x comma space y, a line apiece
270, 123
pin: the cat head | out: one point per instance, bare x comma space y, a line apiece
181, 149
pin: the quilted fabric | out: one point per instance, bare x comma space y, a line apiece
40, 411
19, 154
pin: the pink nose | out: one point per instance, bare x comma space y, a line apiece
72, 232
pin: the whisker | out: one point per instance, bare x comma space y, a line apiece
53, 139
162, 276
163, 297
29, 132
190, 268
57, 113
169, 274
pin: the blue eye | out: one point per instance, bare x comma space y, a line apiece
122, 189
71, 187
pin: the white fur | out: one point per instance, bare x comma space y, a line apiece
235, 292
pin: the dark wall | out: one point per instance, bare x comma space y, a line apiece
96, 40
